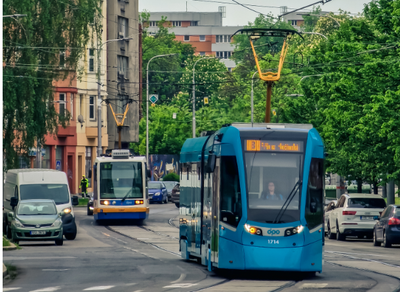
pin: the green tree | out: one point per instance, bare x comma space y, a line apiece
32, 59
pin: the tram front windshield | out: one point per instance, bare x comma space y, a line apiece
271, 178
119, 180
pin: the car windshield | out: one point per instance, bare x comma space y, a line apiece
120, 180
39, 208
169, 184
270, 179
366, 203
56, 192
155, 185
397, 213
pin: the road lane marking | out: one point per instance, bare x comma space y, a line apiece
120, 240
313, 285
11, 289
98, 288
181, 278
182, 285
34, 258
364, 259
106, 234
130, 284
54, 270
49, 289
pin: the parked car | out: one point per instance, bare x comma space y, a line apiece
170, 185
387, 227
354, 215
33, 183
175, 195
331, 205
157, 192
36, 220
90, 207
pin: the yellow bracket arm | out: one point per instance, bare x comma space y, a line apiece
119, 124
271, 76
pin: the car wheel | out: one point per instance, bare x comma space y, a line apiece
339, 236
386, 242
177, 205
166, 199
13, 239
330, 234
70, 236
8, 231
59, 242
374, 239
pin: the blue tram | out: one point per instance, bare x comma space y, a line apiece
251, 198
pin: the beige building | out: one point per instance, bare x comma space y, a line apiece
86, 106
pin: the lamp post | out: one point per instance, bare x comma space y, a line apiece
147, 105
99, 148
194, 97
252, 100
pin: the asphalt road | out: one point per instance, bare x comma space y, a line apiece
126, 257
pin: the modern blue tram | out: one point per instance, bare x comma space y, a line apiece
251, 198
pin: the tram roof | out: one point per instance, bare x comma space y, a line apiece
242, 126
192, 148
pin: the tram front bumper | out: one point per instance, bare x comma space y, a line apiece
121, 213
302, 259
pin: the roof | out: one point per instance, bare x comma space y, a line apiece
272, 126
192, 148
358, 195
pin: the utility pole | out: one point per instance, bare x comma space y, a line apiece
340, 188
252, 97
390, 193
194, 97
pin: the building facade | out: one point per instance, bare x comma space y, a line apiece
123, 66
203, 30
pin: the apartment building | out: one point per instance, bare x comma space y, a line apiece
203, 30
296, 18
123, 66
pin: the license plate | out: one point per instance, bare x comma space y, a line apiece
38, 232
366, 217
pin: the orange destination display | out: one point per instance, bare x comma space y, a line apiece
274, 146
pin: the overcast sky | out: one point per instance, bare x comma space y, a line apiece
238, 15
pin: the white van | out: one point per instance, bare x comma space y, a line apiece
34, 183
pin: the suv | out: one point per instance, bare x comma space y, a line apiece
175, 194
354, 215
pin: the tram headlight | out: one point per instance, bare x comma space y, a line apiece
294, 230
138, 202
253, 230
105, 202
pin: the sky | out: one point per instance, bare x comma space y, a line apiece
238, 15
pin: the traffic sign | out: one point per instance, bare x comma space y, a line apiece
32, 152
206, 100
58, 165
43, 152
153, 104
153, 98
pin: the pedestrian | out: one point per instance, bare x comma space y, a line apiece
84, 186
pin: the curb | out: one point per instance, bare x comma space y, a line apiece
5, 272
11, 247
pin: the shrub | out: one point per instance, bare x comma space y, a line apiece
171, 177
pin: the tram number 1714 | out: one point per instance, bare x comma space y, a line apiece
273, 241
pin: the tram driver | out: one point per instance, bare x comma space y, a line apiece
269, 194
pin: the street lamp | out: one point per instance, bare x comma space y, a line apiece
147, 105
252, 93
99, 148
194, 97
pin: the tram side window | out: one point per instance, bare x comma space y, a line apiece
314, 203
231, 201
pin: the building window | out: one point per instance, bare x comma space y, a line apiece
186, 38
122, 27
88, 164
72, 106
222, 38
62, 101
91, 107
202, 38
224, 55
91, 60
45, 157
176, 23
194, 23
62, 59
202, 53
294, 22
122, 67
59, 158
81, 101
226, 38
153, 23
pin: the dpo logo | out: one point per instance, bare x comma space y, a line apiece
272, 232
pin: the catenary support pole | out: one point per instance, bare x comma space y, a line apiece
268, 107
390, 193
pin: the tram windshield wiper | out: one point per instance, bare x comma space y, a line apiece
127, 194
287, 202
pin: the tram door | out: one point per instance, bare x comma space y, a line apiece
215, 211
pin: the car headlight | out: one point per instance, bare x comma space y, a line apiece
156, 194
57, 223
18, 224
67, 210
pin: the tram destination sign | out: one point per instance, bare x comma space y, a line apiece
274, 146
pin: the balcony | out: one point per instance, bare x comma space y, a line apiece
66, 132
91, 132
